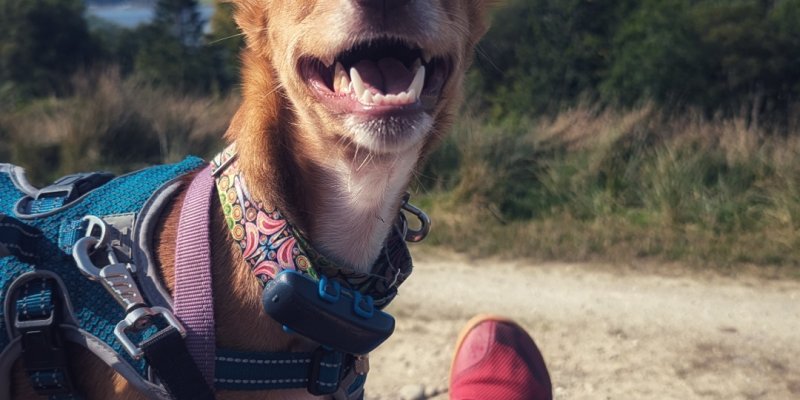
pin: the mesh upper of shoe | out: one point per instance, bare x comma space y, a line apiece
498, 360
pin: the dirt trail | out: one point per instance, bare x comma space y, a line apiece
605, 334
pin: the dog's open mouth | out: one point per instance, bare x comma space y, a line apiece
377, 77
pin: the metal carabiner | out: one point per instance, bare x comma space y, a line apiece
81, 251
96, 222
116, 277
415, 235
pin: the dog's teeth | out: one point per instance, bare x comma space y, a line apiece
417, 64
358, 83
393, 99
418, 83
411, 95
403, 98
366, 97
341, 82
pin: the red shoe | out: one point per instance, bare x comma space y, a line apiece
495, 359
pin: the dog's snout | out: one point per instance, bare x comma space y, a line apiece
381, 5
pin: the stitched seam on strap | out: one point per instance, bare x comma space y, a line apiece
329, 365
18, 229
256, 361
16, 246
259, 381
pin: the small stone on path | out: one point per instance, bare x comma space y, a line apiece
412, 392
433, 391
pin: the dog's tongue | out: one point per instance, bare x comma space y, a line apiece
388, 76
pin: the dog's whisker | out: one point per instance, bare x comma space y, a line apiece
485, 56
365, 162
277, 87
213, 42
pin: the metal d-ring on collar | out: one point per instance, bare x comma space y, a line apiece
414, 235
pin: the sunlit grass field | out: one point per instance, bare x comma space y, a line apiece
605, 185
586, 184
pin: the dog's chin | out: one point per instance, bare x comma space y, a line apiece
389, 134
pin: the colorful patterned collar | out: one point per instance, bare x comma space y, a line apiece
271, 244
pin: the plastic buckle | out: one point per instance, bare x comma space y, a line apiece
363, 306
73, 186
329, 290
139, 319
43, 351
325, 371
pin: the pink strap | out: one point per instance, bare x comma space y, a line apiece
194, 303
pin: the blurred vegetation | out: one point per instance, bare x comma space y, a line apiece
733, 57
613, 130
46, 42
86, 95
593, 183
114, 124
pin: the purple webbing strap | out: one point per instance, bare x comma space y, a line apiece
194, 304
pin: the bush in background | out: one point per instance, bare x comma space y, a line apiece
736, 58
44, 43
113, 124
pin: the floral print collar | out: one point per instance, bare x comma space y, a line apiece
270, 244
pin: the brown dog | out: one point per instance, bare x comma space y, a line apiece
341, 101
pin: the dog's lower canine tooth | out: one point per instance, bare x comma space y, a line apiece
366, 97
419, 81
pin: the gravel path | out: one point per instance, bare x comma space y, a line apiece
605, 333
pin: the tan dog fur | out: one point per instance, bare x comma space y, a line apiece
302, 158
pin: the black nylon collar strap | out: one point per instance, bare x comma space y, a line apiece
166, 354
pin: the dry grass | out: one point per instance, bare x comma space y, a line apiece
599, 184
112, 124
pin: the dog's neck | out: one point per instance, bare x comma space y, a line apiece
345, 199
358, 205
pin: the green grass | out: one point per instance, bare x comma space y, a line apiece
612, 186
